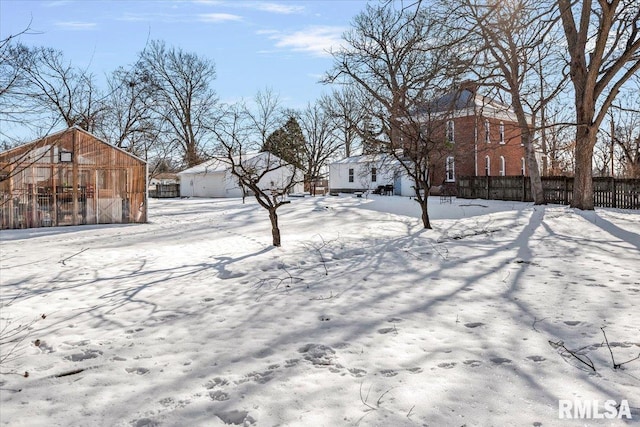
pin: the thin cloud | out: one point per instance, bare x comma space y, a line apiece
317, 41
285, 9
218, 17
262, 6
76, 25
209, 2
57, 3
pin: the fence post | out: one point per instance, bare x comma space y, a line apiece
614, 195
566, 190
488, 187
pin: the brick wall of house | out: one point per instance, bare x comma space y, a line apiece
464, 153
510, 148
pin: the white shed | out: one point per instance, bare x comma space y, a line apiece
367, 172
213, 178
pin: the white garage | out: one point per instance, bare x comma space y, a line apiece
213, 178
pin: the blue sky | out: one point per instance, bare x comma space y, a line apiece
255, 44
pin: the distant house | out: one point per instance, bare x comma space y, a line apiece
164, 185
214, 178
482, 135
164, 178
71, 178
368, 172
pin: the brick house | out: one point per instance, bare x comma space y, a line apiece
482, 135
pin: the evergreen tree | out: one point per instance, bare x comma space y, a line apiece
288, 143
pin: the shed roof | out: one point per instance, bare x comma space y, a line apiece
40, 142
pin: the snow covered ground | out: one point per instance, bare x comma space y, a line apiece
361, 318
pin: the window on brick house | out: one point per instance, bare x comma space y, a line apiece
503, 166
450, 169
451, 131
501, 133
523, 167
486, 131
487, 166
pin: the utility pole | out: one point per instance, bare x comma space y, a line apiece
613, 141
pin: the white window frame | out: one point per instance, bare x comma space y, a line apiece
450, 169
374, 175
501, 132
487, 129
451, 131
524, 166
351, 175
503, 166
487, 166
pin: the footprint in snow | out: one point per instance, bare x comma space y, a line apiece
84, 355
447, 365
415, 370
356, 372
473, 325
318, 354
218, 395
386, 330
139, 371
290, 363
572, 322
145, 422
536, 358
216, 382
500, 360
473, 363
259, 377
236, 418
388, 373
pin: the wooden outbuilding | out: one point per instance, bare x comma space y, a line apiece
71, 178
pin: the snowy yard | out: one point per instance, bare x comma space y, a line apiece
361, 318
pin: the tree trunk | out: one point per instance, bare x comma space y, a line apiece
423, 207
275, 231
425, 215
583, 182
534, 172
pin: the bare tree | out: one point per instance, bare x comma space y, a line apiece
50, 87
321, 142
238, 132
342, 107
603, 43
128, 119
512, 48
179, 84
396, 57
623, 137
557, 146
266, 116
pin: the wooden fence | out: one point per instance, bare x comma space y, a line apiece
165, 191
607, 192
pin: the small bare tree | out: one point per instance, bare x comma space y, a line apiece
267, 176
321, 142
